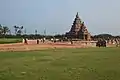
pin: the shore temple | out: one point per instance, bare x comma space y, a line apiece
78, 30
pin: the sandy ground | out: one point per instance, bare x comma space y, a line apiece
33, 46
27, 47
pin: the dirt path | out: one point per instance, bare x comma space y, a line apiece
24, 47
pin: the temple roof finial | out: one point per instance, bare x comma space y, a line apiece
77, 15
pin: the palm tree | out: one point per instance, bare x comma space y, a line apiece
5, 30
0, 29
18, 30
35, 32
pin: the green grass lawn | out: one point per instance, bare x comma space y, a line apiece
9, 40
61, 64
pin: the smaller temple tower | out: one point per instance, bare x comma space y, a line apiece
78, 30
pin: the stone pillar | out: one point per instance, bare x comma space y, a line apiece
83, 37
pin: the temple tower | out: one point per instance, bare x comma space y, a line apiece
78, 30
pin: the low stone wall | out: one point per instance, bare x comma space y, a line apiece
85, 43
82, 43
77, 43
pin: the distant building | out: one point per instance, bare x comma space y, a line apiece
78, 30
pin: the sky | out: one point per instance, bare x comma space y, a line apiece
57, 16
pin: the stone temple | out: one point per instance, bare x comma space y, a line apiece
78, 30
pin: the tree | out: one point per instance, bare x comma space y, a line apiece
5, 30
35, 32
104, 36
18, 30
0, 29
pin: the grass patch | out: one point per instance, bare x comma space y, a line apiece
9, 40
61, 64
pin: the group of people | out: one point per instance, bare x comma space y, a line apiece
101, 43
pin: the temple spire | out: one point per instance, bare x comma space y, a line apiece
77, 15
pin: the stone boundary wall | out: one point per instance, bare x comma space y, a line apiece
86, 43
80, 43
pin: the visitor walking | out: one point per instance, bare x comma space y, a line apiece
37, 41
25, 41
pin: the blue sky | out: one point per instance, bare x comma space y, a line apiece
56, 16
